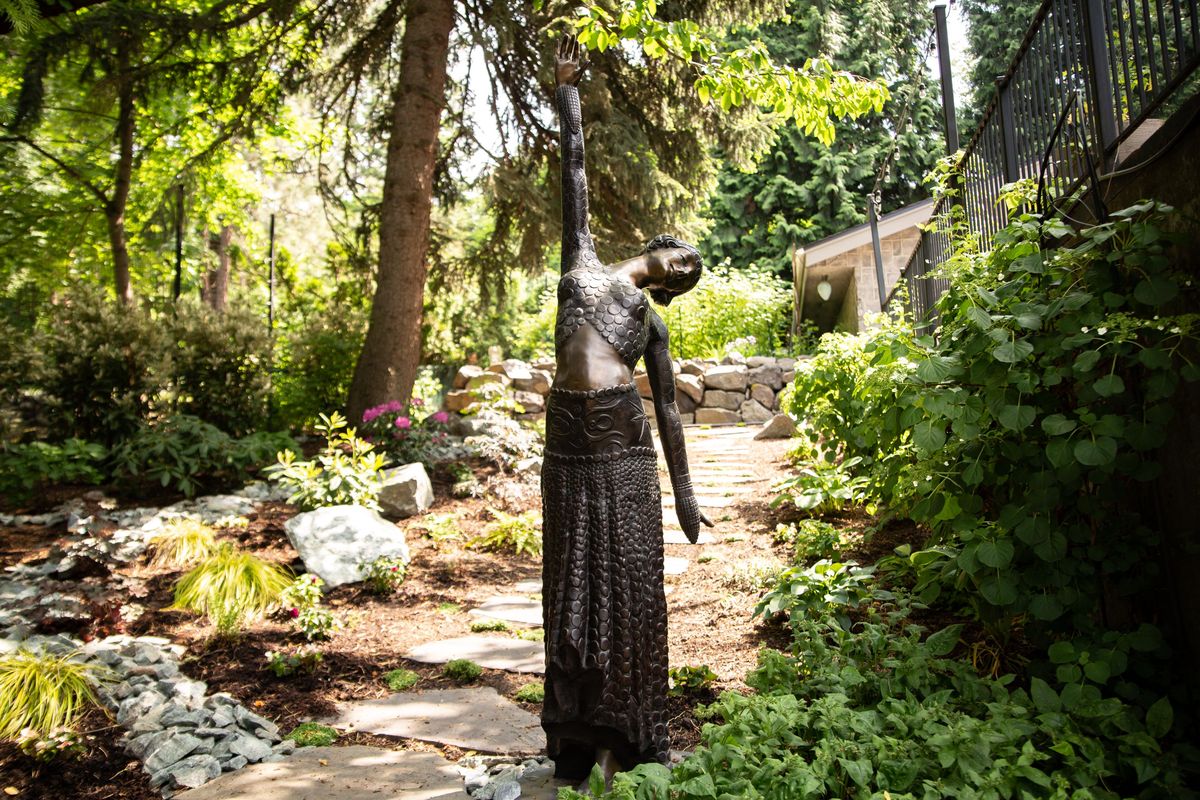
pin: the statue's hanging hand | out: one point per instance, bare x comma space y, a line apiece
569, 64
690, 515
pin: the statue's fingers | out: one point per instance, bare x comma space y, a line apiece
704, 518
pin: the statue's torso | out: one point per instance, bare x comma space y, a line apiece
616, 309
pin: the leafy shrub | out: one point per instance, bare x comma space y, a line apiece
691, 680
488, 625
440, 527
522, 533
826, 590
346, 472
106, 366
399, 680
822, 487
181, 543
44, 693
462, 670
385, 574
286, 664
883, 712
189, 454
396, 430
301, 601
813, 539
728, 304
752, 575
220, 366
316, 364
532, 692
24, 468
312, 734
58, 744
1025, 434
231, 587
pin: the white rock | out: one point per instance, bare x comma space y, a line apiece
406, 491
538, 381
690, 385
335, 540
532, 402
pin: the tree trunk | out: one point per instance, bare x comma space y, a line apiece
114, 209
388, 364
215, 291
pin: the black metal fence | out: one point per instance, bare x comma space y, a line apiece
1088, 73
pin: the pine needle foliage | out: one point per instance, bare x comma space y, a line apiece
181, 543
231, 587
43, 692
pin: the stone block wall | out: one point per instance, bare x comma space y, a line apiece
707, 391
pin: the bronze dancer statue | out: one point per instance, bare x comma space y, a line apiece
604, 607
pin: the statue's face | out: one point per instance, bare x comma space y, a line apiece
669, 265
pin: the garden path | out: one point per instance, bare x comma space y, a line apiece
727, 469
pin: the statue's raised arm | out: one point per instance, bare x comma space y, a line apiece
577, 247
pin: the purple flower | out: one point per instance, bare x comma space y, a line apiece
441, 417
403, 423
417, 402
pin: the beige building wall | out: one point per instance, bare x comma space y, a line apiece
896, 249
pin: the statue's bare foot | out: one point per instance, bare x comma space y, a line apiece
609, 766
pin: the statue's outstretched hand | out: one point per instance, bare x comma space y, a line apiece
690, 516
569, 63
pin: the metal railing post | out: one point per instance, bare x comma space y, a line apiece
1099, 68
943, 48
1008, 131
873, 218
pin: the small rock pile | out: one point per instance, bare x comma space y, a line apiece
500, 778
707, 391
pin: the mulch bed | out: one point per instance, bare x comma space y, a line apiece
710, 624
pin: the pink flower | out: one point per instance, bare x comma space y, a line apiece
417, 402
295, 612
403, 423
441, 417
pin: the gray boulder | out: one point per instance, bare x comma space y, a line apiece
406, 491
690, 385
716, 416
538, 381
716, 398
763, 394
753, 412
335, 540
730, 377
780, 426
767, 374
464, 375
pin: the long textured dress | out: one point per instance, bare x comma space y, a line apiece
603, 601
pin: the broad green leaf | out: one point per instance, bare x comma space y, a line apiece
1057, 425
1095, 452
979, 318
929, 437
1109, 385
944, 641
1045, 699
860, 770
1016, 418
1156, 290
1012, 351
1045, 607
935, 369
1160, 718
997, 554
998, 590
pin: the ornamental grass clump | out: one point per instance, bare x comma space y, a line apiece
181, 543
44, 693
231, 587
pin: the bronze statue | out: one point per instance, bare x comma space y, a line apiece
604, 607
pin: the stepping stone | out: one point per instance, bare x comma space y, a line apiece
539, 783
473, 719
531, 586
347, 773
673, 565
493, 652
511, 608
677, 536
705, 501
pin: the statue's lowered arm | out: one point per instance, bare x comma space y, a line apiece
670, 429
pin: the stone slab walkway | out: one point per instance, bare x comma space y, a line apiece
473, 719
517, 609
493, 652
344, 773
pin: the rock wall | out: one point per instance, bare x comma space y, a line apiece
707, 391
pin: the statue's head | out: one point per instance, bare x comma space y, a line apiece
674, 267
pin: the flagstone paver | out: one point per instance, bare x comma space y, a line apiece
345, 773
677, 536
493, 652
517, 609
673, 565
473, 719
